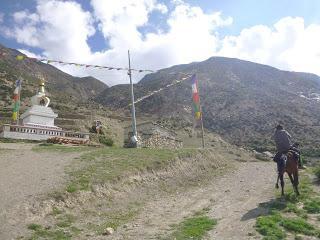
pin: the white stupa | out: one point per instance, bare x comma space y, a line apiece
38, 123
39, 114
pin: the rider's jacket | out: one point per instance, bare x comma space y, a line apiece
283, 140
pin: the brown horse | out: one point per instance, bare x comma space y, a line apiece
291, 168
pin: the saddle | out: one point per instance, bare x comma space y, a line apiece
294, 153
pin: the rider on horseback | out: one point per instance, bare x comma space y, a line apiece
284, 144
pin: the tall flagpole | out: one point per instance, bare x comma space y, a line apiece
134, 122
19, 95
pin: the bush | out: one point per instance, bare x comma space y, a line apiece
106, 141
311, 152
317, 172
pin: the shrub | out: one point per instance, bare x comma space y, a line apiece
106, 140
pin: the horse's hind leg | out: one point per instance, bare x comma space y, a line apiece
277, 183
292, 182
296, 182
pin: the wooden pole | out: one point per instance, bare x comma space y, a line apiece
19, 99
202, 130
134, 122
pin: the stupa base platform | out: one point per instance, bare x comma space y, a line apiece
38, 133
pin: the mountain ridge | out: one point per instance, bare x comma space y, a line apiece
241, 100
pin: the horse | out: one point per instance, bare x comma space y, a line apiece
291, 168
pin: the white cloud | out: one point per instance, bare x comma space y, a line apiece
62, 28
289, 44
190, 35
119, 20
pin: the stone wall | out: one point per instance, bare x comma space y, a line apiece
151, 135
156, 140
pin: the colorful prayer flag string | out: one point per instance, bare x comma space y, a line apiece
49, 61
175, 82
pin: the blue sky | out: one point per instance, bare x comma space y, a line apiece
245, 29
245, 13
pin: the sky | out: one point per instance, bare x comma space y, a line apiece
161, 33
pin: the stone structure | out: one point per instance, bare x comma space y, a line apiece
38, 122
151, 135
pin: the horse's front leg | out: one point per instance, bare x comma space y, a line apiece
282, 183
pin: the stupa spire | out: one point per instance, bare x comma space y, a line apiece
41, 85
40, 98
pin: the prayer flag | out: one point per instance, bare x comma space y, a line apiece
20, 57
195, 97
14, 116
16, 100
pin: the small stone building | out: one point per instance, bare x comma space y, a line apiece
151, 135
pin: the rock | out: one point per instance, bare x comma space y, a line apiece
108, 231
268, 154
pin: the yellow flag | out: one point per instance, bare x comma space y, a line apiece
19, 57
198, 115
14, 116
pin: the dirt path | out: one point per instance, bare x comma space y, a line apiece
25, 175
233, 199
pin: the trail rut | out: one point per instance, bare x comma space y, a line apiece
232, 199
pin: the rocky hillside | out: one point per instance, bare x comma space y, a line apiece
241, 100
59, 85
69, 95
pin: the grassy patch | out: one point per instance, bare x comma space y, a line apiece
269, 227
193, 228
63, 229
111, 164
71, 188
312, 205
299, 225
275, 225
34, 227
56, 211
60, 148
40, 232
317, 172
114, 220
65, 221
